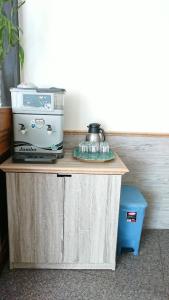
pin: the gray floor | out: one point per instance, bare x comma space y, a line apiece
143, 277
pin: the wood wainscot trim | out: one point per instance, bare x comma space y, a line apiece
120, 133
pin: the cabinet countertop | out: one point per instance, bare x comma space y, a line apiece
68, 165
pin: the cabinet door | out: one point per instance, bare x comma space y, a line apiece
35, 212
91, 209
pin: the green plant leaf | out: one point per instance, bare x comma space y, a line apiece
21, 55
9, 32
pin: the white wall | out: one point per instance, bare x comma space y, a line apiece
112, 56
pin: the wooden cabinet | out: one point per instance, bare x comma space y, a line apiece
63, 222
5, 142
35, 213
5, 131
91, 205
63, 215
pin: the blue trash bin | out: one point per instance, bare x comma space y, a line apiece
131, 217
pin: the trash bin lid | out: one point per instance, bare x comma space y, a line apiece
132, 197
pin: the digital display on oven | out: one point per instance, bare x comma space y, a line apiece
37, 101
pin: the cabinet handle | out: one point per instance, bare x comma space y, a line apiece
64, 175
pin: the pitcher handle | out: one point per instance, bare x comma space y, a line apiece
103, 134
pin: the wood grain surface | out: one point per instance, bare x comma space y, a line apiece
119, 133
5, 129
90, 218
35, 217
63, 222
68, 165
147, 158
73, 266
5, 142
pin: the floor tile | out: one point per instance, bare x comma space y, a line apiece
164, 248
144, 277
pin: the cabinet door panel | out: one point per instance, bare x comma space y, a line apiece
91, 208
35, 209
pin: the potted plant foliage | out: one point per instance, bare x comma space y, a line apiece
9, 33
